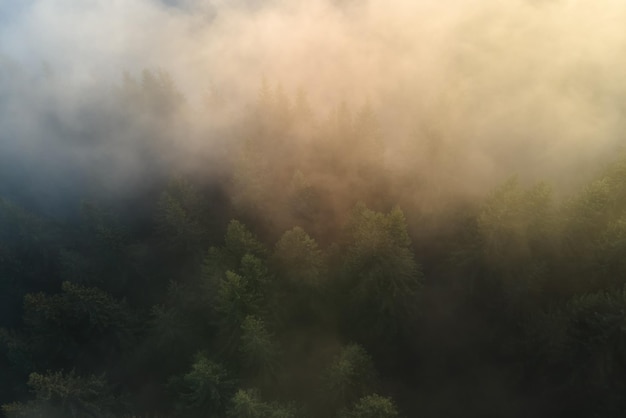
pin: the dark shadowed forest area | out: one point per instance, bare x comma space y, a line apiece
327, 209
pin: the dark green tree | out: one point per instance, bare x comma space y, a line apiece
372, 406
350, 376
205, 389
258, 348
302, 275
81, 324
380, 273
60, 395
248, 404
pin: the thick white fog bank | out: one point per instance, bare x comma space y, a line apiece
475, 90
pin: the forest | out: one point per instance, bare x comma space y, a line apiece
289, 271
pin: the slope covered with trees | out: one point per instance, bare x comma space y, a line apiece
305, 281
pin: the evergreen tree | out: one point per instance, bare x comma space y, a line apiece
350, 376
380, 272
372, 406
205, 389
59, 395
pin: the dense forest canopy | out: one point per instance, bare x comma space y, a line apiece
332, 209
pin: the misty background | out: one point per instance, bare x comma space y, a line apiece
475, 91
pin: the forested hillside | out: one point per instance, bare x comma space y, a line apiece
298, 275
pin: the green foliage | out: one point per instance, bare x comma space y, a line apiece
179, 217
380, 269
239, 241
610, 250
513, 221
372, 406
242, 253
65, 395
591, 233
597, 321
239, 280
577, 351
378, 242
205, 389
259, 351
248, 404
100, 226
350, 376
517, 303
298, 259
256, 274
16, 349
306, 201
235, 299
99, 310
81, 321
98, 253
302, 282
240, 296
214, 265
516, 240
586, 216
168, 326
28, 256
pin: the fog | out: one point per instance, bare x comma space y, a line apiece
329, 167
533, 88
